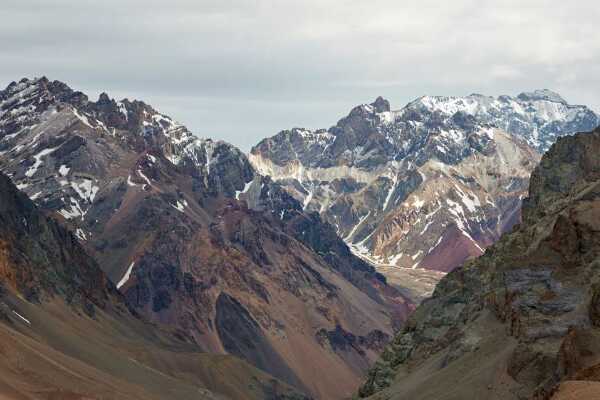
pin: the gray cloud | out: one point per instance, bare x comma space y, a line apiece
241, 70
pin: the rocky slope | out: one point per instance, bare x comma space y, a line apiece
196, 239
66, 332
522, 318
429, 185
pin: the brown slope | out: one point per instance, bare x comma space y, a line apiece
243, 286
65, 355
66, 332
521, 318
578, 390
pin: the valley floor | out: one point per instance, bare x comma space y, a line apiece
417, 284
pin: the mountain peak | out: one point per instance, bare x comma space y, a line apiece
542, 94
381, 105
531, 297
104, 98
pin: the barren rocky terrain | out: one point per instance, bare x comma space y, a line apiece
521, 320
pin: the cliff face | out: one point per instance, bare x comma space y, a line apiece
39, 259
524, 316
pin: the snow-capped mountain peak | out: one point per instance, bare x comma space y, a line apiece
538, 117
61, 148
542, 95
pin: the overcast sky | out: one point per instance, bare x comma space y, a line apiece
243, 70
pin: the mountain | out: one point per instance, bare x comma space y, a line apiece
66, 332
521, 321
196, 239
429, 185
537, 117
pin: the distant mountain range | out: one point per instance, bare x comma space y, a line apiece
429, 185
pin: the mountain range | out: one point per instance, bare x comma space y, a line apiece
188, 256
427, 186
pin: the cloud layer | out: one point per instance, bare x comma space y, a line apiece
241, 70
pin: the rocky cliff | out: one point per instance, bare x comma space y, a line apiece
523, 317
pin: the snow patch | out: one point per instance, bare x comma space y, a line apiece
35, 196
244, 190
349, 236
144, 177
22, 317
396, 258
390, 192
76, 210
436, 244
86, 189
82, 118
426, 227
418, 203
180, 206
130, 182
38, 161
125, 277
80, 234
64, 170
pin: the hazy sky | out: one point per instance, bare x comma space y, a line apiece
242, 70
